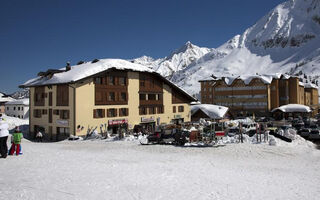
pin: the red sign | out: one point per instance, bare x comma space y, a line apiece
117, 122
220, 133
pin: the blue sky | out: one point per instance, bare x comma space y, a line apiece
39, 34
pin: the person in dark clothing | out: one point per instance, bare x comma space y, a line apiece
4, 133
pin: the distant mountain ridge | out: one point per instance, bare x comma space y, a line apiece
22, 94
286, 40
176, 61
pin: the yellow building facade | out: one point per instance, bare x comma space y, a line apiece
107, 100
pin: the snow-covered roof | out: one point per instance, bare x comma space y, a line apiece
265, 78
293, 108
18, 102
79, 72
82, 71
309, 85
213, 111
4, 98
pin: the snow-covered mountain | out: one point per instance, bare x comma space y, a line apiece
22, 94
176, 61
286, 40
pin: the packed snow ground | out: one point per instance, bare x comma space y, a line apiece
101, 169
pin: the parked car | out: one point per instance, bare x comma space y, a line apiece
314, 134
305, 132
160, 137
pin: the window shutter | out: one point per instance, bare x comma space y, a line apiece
115, 112
127, 111
120, 112
94, 113
108, 112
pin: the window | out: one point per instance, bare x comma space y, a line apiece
151, 97
111, 80
181, 108
18, 108
159, 96
112, 112
174, 109
152, 110
50, 98
123, 96
37, 113
111, 96
44, 111
152, 83
56, 112
142, 83
39, 95
98, 80
63, 130
142, 96
122, 81
14, 108
64, 114
123, 112
62, 95
98, 113
21, 108
7, 108
160, 109
143, 111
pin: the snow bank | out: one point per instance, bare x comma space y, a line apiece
13, 122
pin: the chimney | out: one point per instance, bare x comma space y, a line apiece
68, 67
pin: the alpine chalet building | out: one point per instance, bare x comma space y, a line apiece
258, 94
108, 94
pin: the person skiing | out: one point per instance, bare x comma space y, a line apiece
4, 133
17, 136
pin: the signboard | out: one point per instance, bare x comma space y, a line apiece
63, 122
117, 122
147, 119
177, 116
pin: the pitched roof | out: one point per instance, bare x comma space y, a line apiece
5, 98
85, 70
18, 102
213, 111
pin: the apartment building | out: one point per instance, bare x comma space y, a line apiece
257, 94
18, 108
104, 94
